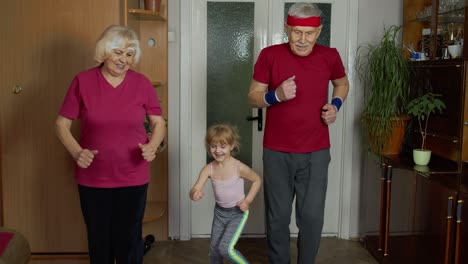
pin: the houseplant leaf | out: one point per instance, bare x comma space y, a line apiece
421, 108
384, 75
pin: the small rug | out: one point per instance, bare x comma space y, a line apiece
5, 238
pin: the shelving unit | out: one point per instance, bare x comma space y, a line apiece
158, 83
151, 27
146, 14
432, 16
420, 215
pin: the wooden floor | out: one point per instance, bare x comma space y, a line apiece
195, 251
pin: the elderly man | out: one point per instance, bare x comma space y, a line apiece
291, 80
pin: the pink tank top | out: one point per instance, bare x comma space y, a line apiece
230, 191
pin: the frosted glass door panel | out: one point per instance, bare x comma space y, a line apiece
230, 43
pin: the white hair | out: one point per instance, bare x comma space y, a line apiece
303, 10
116, 36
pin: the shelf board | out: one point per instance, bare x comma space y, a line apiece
151, 15
158, 83
154, 211
456, 15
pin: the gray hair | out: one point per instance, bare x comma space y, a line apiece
304, 10
113, 37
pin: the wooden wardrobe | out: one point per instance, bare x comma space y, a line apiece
44, 44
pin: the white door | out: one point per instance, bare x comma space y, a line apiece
226, 39
227, 36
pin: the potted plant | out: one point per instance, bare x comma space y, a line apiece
384, 76
421, 108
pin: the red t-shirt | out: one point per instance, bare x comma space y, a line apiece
296, 125
112, 123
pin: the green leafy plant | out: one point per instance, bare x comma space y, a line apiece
384, 76
147, 127
421, 108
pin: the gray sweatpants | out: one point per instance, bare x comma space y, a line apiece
289, 175
227, 227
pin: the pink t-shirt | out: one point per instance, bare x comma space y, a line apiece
296, 125
228, 192
112, 123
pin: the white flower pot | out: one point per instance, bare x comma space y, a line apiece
421, 156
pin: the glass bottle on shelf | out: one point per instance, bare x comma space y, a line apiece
449, 36
451, 19
459, 35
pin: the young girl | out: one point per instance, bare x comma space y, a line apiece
227, 176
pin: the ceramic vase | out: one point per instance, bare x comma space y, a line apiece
421, 156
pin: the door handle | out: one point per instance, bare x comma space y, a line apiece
458, 231
259, 119
448, 237
17, 89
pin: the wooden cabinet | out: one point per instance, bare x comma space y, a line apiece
461, 229
151, 27
421, 209
434, 205
415, 218
44, 44
432, 25
445, 130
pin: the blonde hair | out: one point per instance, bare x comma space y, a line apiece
116, 36
223, 133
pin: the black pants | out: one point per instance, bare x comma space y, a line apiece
113, 218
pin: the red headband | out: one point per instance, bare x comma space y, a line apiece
305, 22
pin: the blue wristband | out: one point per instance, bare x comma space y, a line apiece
337, 102
270, 97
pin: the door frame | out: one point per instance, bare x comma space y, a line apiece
180, 106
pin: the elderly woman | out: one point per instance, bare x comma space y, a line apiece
114, 152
